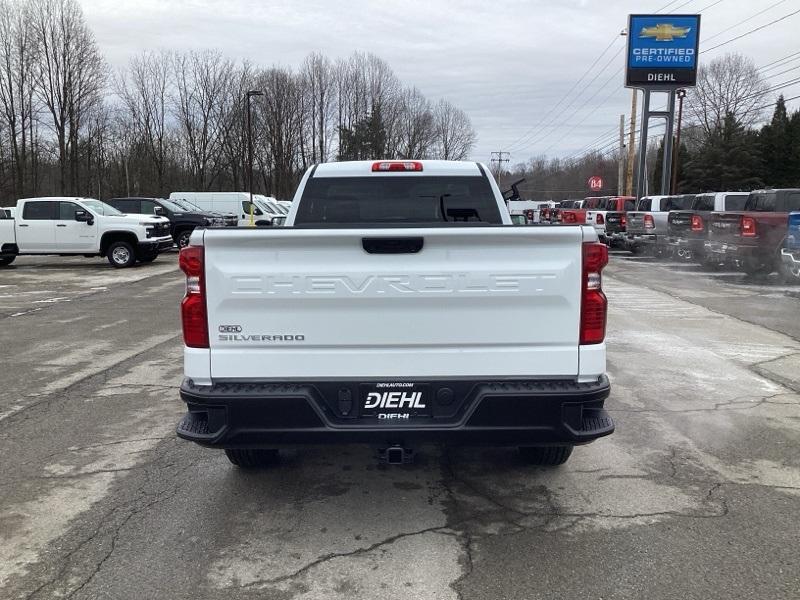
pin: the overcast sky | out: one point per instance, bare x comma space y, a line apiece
507, 64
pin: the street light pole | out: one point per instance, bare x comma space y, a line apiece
249, 95
677, 152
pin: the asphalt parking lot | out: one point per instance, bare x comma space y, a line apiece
696, 495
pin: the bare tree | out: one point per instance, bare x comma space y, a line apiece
200, 103
18, 50
144, 90
455, 136
730, 84
70, 77
317, 80
415, 128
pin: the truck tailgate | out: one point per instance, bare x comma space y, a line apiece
473, 301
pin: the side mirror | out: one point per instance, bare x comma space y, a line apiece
84, 217
159, 211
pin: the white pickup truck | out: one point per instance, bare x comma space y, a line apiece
84, 227
398, 306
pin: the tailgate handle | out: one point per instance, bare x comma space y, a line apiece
393, 245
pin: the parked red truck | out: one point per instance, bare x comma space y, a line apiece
752, 239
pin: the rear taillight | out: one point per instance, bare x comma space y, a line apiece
593, 301
599, 219
648, 222
697, 223
396, 165
623, 221
193, 305
569, 217
748, 227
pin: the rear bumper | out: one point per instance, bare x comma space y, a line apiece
642, 238
731, 251
791, 258
479, 412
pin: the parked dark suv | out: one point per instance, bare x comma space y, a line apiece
182, 221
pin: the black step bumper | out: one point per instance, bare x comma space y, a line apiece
497, 413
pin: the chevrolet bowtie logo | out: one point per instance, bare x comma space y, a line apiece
664, 32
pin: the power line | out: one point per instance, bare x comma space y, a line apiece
713, 4
743, 21
774, 62
566, 95
746, 33
537, 137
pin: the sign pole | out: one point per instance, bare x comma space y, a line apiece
641, 169
631, 145
666, 163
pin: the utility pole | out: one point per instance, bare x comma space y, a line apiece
631, 147
621, 174
677, 152
249, 95
499, 160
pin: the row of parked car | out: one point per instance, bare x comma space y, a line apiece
756, 232
126, 230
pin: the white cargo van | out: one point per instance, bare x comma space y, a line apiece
237, 203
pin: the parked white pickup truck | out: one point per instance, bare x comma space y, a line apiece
397, 306
82, 226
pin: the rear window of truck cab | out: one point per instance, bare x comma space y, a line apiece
397, 199
761, 202
704, 202
736, 202
645, 204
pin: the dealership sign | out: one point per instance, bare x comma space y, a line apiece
595, 183
662, 51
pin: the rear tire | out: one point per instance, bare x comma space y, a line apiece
121, 255
6, 260
249, 458
545, 456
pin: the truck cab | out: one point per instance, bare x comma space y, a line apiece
182, 221
82, 226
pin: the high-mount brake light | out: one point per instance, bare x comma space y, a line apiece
748, 227
594, 305
697, 223
649, 223
396, 165
193, 306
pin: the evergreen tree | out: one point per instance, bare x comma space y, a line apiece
366, 139
775, 142
683, 158
728, 160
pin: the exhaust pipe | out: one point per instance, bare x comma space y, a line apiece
396, 455
681, 252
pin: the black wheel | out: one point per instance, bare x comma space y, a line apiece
546, 456
636, 249
120, 255
6, 260
755, 267
183, 238
247, 458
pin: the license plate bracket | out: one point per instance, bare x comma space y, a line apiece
395, 401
